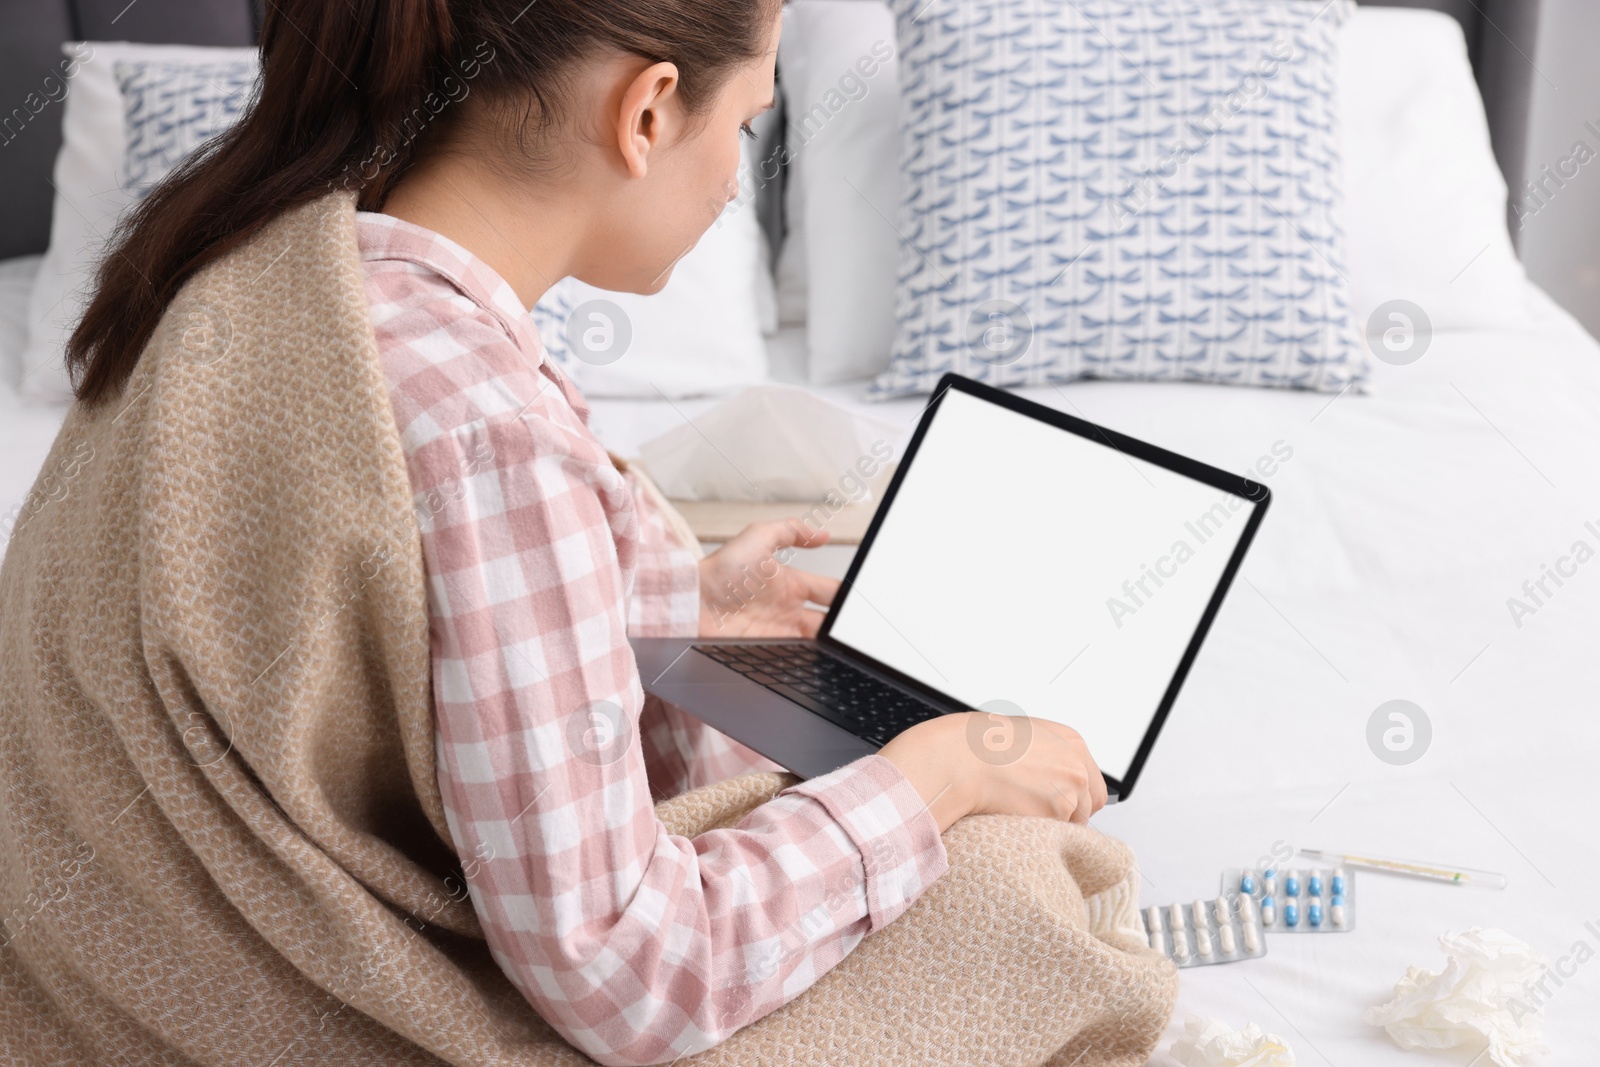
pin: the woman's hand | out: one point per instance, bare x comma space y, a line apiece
977, 763
747, 588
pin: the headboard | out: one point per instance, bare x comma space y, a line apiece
30, 75
1500, 34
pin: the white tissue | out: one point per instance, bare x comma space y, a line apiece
771, 442
1482, 995
1212, 1043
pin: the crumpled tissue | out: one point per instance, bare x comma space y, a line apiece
1484, 994
1212, 1043
771, 442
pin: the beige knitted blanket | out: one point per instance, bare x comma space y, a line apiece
221, 836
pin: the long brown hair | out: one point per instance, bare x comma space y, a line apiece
349, 90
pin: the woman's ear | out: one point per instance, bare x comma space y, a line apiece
647, 113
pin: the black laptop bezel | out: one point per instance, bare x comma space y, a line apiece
1237, 485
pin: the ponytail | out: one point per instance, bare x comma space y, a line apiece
349, 91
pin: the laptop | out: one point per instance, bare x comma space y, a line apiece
1021, 562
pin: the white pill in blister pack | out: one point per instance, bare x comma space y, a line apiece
1158, 935
1220, 930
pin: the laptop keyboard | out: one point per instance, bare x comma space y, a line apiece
832, 687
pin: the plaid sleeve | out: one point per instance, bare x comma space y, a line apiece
665, 600
680, 751
636, 945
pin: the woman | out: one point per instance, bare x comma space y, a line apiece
495, 147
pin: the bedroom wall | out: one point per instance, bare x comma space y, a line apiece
1559, 214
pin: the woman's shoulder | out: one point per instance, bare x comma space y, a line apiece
452, 356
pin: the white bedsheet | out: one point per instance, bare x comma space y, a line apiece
1399, 528
1401, 525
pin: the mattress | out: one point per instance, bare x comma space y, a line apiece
1404, 521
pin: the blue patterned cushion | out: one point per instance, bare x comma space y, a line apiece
550, 317
1145, 189
172, 108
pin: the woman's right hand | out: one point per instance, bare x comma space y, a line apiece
982, 763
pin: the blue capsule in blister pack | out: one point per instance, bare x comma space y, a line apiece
1296, 900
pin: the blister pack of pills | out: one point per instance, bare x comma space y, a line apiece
1298, 900
1224, 930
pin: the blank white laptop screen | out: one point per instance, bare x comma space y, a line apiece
1023, 563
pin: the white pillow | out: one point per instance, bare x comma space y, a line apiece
700, 335
1423, 192
841, 104
16, 282
89, 200
1425, 205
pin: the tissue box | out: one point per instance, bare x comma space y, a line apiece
775, 452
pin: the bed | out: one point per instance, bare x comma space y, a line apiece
1406, 526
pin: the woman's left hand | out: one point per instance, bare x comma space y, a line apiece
747, 588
